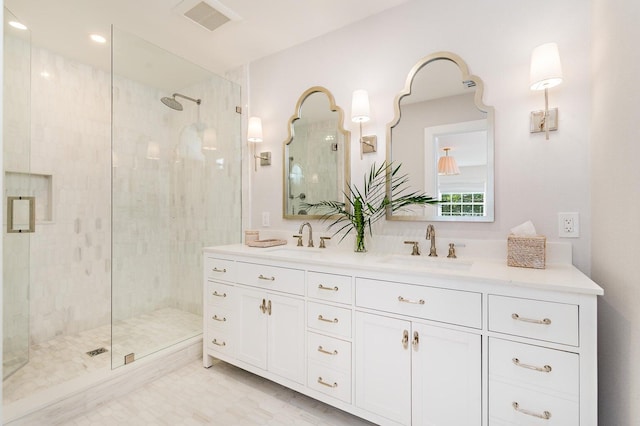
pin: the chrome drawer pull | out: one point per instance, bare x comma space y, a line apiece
544, 415
262, 277
545, 321
215, 317
324, 351
415, 302
321, 287
321, 318
545, 369
223, 270
215, 342
215, 293
329, 385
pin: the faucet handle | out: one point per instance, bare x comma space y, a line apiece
416, 248
452, 251
299, 237
322, 239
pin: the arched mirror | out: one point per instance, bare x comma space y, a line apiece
316, 154
442, 134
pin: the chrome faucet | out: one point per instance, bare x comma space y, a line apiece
310, 233
431, 235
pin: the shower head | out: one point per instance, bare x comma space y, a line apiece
172, 103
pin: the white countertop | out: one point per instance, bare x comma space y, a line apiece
555, 277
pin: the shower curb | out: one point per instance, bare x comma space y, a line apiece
67, 401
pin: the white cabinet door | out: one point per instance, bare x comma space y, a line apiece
285, 333
447, 376
252, 338
383, 366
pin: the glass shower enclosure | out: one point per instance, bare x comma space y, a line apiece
128, 188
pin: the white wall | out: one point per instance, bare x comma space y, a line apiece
535, 179
615, 189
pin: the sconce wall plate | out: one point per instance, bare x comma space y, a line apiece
265, 158
537, 120
369, 144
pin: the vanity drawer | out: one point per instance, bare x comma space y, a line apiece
542, 369
329, 351
220, 318
535, 319
271, 277
329, 319
513, 405
330, 287
219, 294
329, 381
449, 306
219, 269
219, 341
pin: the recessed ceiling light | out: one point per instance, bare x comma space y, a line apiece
18, 25
98, 38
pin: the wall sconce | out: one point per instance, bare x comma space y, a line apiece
447, 165
546, 72
254, 134
360, 114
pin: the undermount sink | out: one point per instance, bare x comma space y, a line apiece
428, 262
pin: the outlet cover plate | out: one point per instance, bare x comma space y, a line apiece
568, 225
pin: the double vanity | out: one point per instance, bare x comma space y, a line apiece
408, 340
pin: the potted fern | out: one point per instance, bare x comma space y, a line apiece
362, 209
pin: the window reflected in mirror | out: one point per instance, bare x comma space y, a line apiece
442, 134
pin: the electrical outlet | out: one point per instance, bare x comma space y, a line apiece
568, 225
265, 219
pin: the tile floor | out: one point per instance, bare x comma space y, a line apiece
222, 395
64, 358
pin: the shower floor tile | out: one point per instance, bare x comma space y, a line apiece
65, 357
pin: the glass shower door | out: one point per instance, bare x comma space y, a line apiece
18, 201
176, 187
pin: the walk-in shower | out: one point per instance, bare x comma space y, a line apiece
172, 103
114, 267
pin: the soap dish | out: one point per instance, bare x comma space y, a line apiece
266, 243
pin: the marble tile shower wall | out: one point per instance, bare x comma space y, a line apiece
141, 217
70, 140
168, 206
165, 209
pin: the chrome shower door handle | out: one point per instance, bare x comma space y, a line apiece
21, 214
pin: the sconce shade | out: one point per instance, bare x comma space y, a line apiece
546, 71
254, 129
360, 106
447, 165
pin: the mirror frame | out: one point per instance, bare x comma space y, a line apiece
489, 110
347, 150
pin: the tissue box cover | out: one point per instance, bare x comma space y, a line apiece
526, 252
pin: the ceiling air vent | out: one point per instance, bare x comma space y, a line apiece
204, 14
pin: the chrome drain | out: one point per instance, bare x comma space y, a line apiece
97, 351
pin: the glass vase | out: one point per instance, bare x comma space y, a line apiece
360, 247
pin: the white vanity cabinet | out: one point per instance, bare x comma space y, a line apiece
412, 372
486, 345
271, 319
